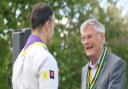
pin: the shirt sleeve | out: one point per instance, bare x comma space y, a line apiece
47, 71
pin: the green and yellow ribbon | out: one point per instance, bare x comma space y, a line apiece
92, 83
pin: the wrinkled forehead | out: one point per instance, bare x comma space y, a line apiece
89, 29
99, 27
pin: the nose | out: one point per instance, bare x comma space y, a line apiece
85, 41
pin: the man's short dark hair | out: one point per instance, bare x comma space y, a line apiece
40, 14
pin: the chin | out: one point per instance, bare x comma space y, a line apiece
89, 54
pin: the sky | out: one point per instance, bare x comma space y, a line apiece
121, 4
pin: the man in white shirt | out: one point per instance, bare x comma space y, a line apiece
35, 67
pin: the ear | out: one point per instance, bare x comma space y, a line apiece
101, 35
46, 25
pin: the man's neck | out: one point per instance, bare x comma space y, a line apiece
40, 35
94, 61
95, 58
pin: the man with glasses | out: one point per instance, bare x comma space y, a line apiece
105, 70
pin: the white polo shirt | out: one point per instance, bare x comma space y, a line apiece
35, 68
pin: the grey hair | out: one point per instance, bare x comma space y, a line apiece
99, 27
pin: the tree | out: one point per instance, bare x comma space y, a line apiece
66, 46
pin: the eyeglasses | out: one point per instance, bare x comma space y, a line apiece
88, 37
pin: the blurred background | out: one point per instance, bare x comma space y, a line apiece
66, 45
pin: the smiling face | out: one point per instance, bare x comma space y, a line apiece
92, 41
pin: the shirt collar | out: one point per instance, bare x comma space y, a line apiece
32, 38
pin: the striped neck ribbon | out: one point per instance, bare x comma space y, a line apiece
92, 83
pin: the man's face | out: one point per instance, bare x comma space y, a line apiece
92, 41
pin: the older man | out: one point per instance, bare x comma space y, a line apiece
35, 67
105, 70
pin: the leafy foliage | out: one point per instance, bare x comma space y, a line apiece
66, 45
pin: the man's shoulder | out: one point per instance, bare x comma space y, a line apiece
85, 67
36, 52
36, 49
114, 62
113, 58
